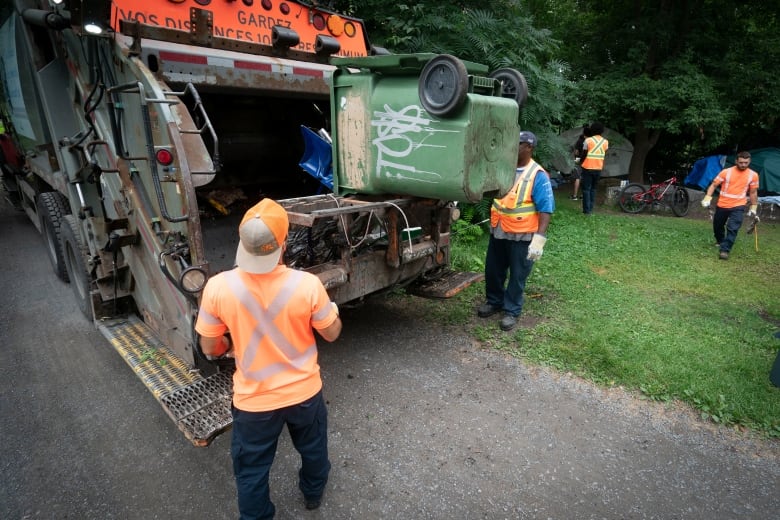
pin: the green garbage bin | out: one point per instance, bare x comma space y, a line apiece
424, 125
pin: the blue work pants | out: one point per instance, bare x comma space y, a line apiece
590, 179
725, 224
507, 257
253, 448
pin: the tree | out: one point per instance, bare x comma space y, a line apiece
655, 69
748, 74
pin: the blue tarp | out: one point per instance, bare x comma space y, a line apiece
704, 170
764, 161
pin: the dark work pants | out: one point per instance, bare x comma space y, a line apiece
590, 179
725, 224
507, 256
253, 447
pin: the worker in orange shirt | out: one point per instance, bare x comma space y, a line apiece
594, 151
735, 183
271, 312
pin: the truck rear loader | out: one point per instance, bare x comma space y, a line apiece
135, 135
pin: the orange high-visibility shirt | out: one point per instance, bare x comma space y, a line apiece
734, 186
271, 318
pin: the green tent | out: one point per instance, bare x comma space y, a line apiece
766, 162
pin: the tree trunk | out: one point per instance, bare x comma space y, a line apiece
644, 141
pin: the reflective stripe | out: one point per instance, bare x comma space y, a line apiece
208, 319
321, 314
266, 327
511, 217
597, 152
523, 182
515, 211
724, 191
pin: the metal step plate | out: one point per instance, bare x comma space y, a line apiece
199, 406
446, 286
201, 410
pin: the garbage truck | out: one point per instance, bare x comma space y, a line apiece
135, 135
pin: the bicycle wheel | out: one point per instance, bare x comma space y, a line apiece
681, 202
632, 198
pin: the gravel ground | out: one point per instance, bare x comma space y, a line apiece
433, 426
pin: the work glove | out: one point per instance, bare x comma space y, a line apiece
752, 211
536, 248
705, 202
751, 226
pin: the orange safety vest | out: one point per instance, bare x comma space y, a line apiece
734, 186
270, 318
516, 212
597, 151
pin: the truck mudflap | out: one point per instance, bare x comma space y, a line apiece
199, 406
447, 285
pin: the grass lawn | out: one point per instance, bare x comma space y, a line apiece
642, 301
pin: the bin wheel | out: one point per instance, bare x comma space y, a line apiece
444, 83
513, 84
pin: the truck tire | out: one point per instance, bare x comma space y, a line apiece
75, 253
513, 85
52, 208
444, 83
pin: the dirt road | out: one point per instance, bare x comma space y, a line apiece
424, 424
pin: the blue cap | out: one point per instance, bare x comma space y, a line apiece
528, 137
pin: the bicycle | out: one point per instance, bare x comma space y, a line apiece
635, 197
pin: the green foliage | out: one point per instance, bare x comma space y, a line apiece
468, 252
678, 100
643, 302
152, 354
669, 74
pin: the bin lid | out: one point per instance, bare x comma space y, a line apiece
399, 63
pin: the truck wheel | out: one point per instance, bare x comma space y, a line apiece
75, 254
444, 83
513, 85
52, 207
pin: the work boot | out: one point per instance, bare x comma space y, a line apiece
724, 255
312, 503
486, 310
508, 322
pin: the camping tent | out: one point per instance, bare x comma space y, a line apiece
618, 155
765, 161
704, 170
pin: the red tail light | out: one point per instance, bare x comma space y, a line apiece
164, 157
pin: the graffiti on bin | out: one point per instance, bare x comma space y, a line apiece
400, 133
